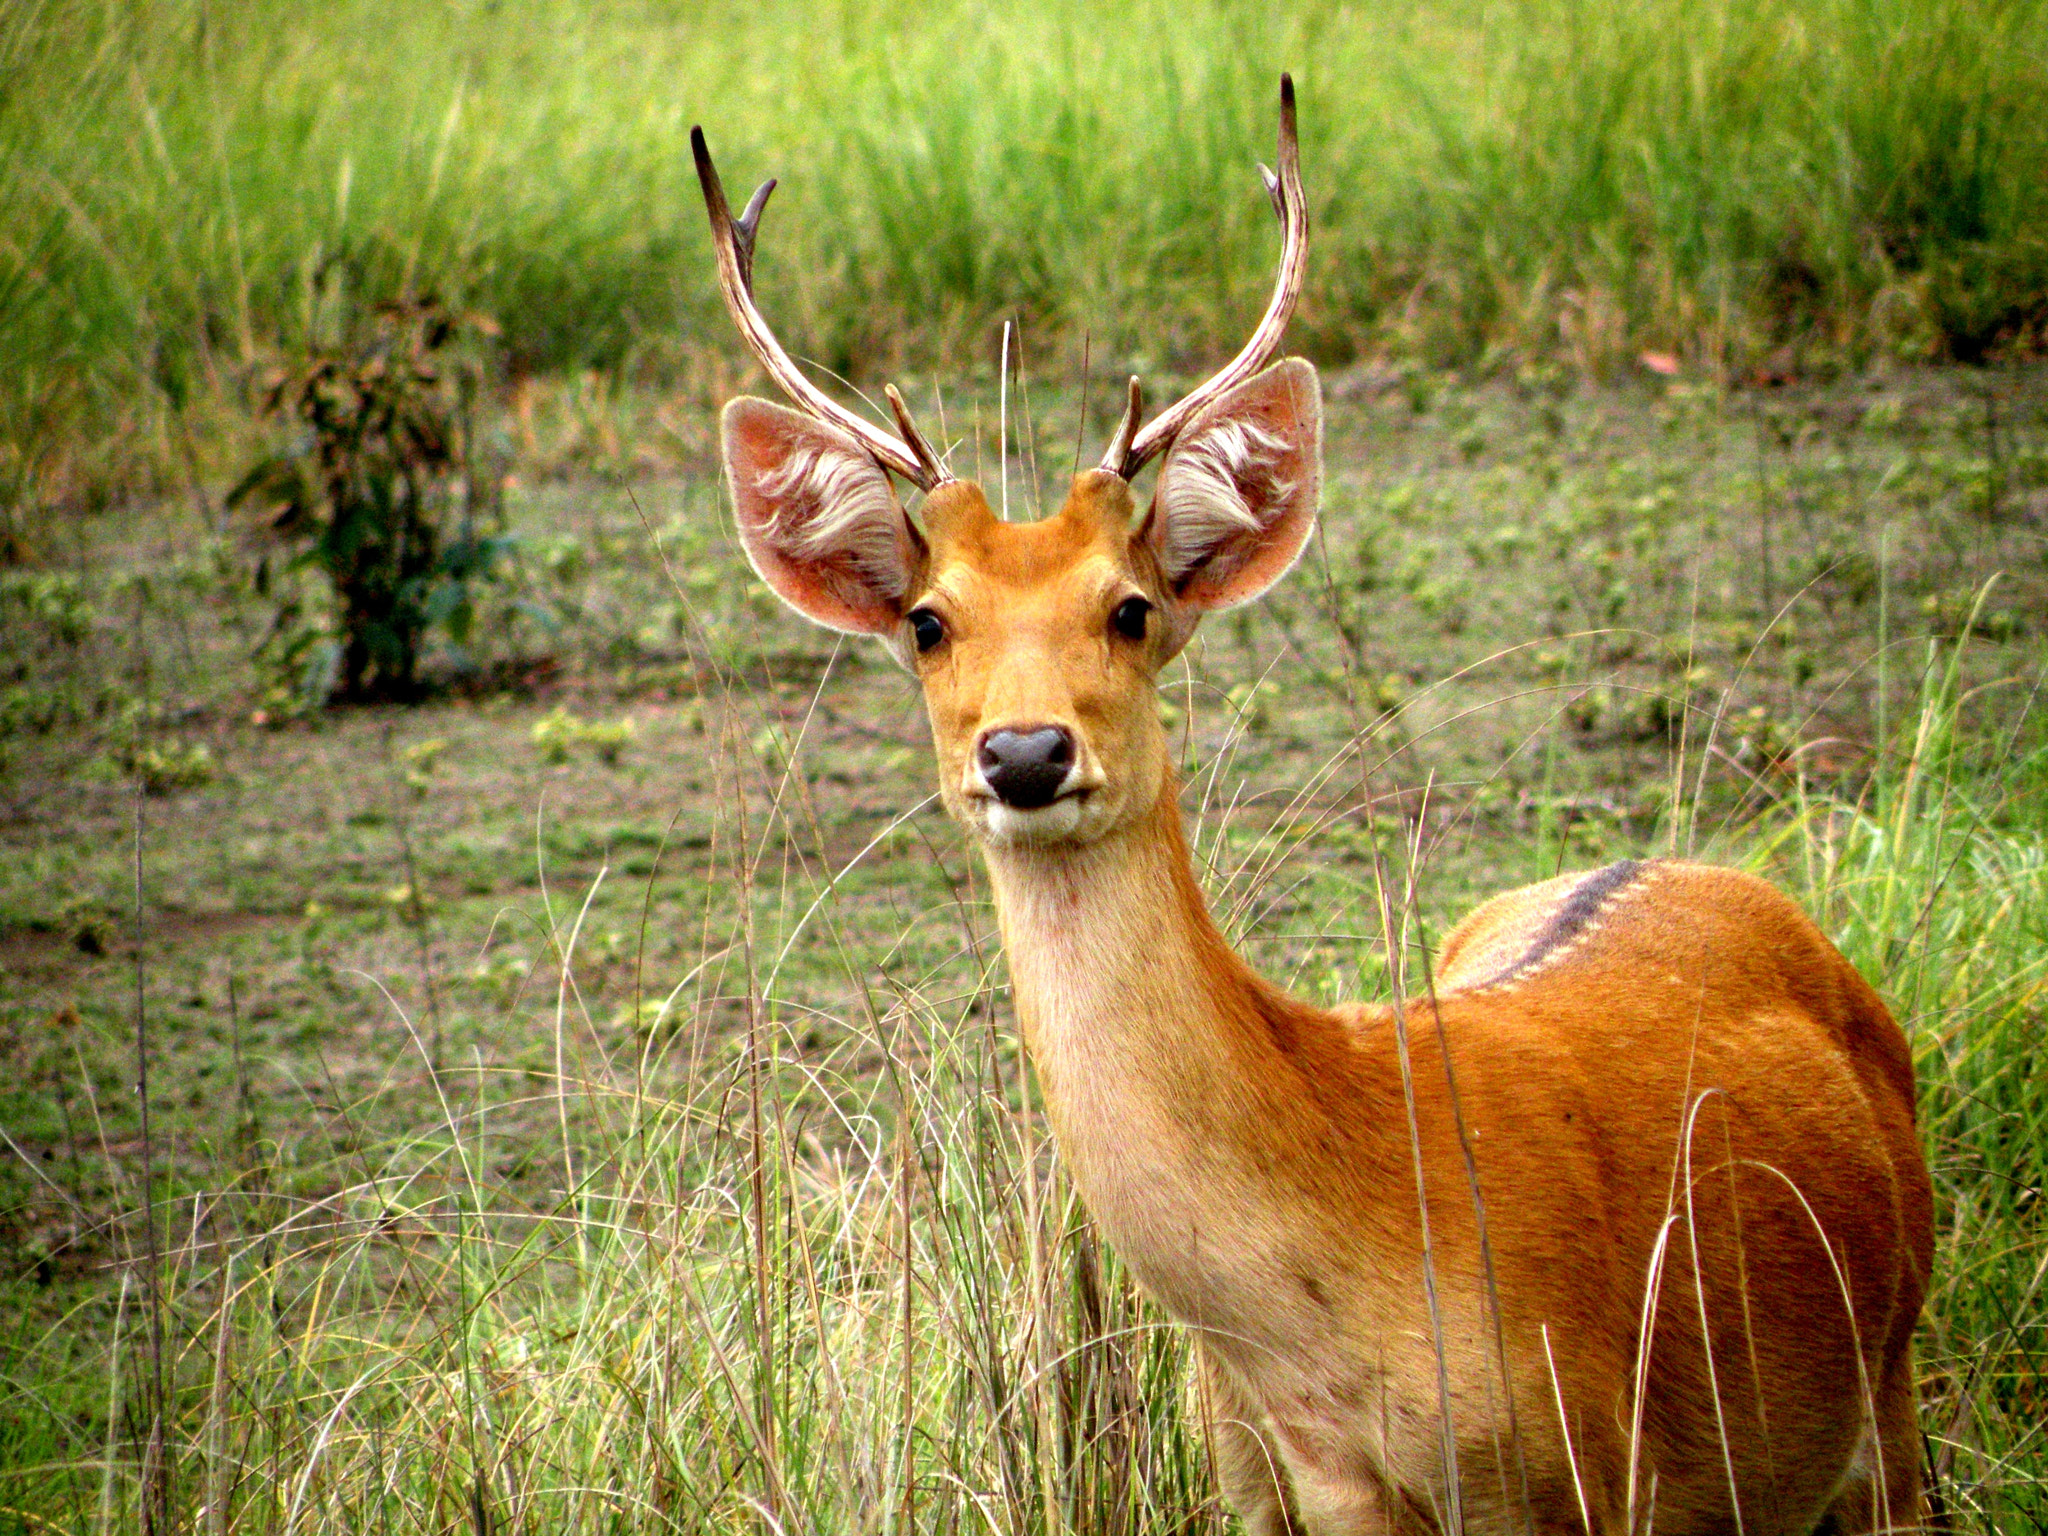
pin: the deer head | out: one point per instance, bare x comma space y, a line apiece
1037, 644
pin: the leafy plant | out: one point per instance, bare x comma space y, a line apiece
54, 599
381, 492
560, 731
164, 770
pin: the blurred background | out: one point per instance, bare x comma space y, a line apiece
194, 190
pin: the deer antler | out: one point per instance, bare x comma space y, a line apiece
1130, 448
910, 456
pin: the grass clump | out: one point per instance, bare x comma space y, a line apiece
560, 732
166, 768
1936, 886
782, 1291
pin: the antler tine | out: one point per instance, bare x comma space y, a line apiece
1127, 429
734, 241
747, 226
1131, 449
927, 460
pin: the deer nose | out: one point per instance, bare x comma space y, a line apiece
1025, 769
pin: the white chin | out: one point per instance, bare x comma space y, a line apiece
1048, 824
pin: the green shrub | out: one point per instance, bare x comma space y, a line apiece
557, 734
381, 492
166, 769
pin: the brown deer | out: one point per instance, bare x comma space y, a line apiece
1620, 1226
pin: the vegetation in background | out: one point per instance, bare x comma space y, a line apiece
596, 1101
1711, 180
382, 493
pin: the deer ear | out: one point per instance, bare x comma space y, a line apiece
819, 519
1237, 493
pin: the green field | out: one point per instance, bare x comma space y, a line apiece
191, 189
588, 1100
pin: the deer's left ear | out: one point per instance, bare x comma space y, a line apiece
1237, 493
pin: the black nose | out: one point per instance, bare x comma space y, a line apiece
1026, 768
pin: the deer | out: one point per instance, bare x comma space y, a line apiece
1619, 1224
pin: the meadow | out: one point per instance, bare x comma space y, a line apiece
191, 189
587, 1100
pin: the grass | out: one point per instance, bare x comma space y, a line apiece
195, 190
561, 1124
1937, 887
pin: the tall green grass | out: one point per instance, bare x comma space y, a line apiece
188, 187
771, 1292
1936, 886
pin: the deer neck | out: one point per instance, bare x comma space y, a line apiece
1188, 1095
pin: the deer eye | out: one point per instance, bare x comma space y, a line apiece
926, 628
1128, 618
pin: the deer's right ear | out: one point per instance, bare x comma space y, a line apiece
819, 519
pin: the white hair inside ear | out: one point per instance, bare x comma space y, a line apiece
830, 503
1237, 493
819, 519
1227, 476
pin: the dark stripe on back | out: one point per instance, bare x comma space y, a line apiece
1570, 919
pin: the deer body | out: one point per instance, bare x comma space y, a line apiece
1620, 1226
1250, 1158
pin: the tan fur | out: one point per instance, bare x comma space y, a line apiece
1706, 1216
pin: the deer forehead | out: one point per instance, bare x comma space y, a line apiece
1031, 574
